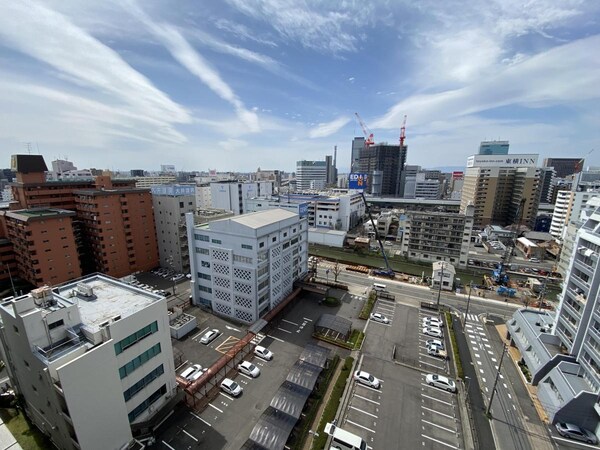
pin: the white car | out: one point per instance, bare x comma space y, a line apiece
433, 331
376, 317
231, 387
263, 353
198, 373
209, 336
177, 277
440, 381
367, 379
436, 342
435, 350
247, 368
190, 371
432, 322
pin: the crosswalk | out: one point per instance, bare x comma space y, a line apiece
470, 318
258, 338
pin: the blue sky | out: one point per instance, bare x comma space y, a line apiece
237, 85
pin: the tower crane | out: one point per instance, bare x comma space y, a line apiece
368, 135
403, 133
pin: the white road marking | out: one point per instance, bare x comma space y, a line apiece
172, 448
276, 338
501, 376
479, 362
483, 379
488, 345
360, 426
307, 319
437, 400
364, 412
484, 339
505, 386
486, 389
190, 435
202, 332
367, 387
436, 389
220, 410
290, 322
176, 368
570, 441
481, 370
477, 355
437, 412
509, 396
494, 360
365, 398
245, 376
225, 395
284, 330
438, 441
514, 407
449, 430
429, 364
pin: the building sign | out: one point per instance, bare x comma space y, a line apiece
516, 160
303, 209
458, 175
357, 181
175, 190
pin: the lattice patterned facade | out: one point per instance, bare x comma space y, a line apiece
243, 271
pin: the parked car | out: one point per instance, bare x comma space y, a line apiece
376, 317
247, 368
209, 336
187, 373
263, 353
177, 277
441, 382
231, 387
432, 322
433, 331
574, 432
436, 342
367, 379
198, 373
535, 260
435, 350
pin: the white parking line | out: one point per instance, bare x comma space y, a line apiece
276, 338
481, 370
449, 430
494, 360
200, 418
360, 426
367, 387
190, 435
202, 332
225, 395
438, 441
172, 448
436, 389
429, 364
367, 399
483, 379
437, 412
290, 322
181, 365
570, 441
509, 396
307, 319
477, 355
220, 410
437, 400
505, 386
245, 376
364, 412
284, 330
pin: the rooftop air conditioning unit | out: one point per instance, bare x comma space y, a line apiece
85, 290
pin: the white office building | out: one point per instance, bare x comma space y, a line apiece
232, 195
92, 359
311, 175
203, 197
244, 266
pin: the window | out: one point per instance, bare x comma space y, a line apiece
124, 344
58, 323
204, 289
201, 237
215, 241
261, 245
247, 247
205, 264
242, 259
274, 239
202, 251
204, 276
132, 365
16, 329
137, 387
146, 403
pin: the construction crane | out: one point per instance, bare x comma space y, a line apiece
388, 271
403, 133
499, 274
369, 140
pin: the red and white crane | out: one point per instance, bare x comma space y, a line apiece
368, 135
403, 133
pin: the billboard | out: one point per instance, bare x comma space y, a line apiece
357, 181
303, 209
514, 160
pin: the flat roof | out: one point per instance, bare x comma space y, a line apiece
262, 218
110, 298
39, 213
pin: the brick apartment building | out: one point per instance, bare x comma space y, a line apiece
104, 225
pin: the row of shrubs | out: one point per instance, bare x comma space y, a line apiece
333, 403
525, 371
368, 306
450, 328
353, 343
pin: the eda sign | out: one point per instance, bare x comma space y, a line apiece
357, 181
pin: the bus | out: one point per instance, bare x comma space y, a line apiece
344, 440
379, 287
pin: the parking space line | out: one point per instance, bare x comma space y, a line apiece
225, 395
202, 332
437, 412
364, 412
309, 320
201, 419
181, 365
432, 365
437, 400
570, 441
276, 338
367, 387
437, 389
365, 398
172, 448
361, 426
281, 329
245, 376
438, 441
220, 410
290, 322
190, 435
449, 430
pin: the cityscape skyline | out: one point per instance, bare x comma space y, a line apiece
231, 87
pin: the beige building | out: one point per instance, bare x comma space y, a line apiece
497, 184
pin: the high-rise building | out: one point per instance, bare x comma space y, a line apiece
244, 266
92, 360
502, 190
331, 168
232, 195
311, 175
547, 184
358, 144
384, 165
564, 167
171, 203
493, 148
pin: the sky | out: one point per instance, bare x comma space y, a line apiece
235, 85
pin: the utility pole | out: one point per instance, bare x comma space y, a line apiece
440, 286
12, 284
487, 412
468, 302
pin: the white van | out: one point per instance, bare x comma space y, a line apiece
344, 440
379, 287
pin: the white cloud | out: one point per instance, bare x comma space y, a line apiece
242, 32
562, 75
185, 54
328, 128
85, 61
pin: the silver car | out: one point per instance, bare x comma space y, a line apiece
247, 368
574, 432
209, 336
231, 387
441, 382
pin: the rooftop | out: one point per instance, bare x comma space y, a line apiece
110, 298
262, 218
39, 213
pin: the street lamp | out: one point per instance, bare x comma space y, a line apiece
468, 301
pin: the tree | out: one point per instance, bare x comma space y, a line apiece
337, 269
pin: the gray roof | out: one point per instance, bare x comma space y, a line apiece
263, 218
